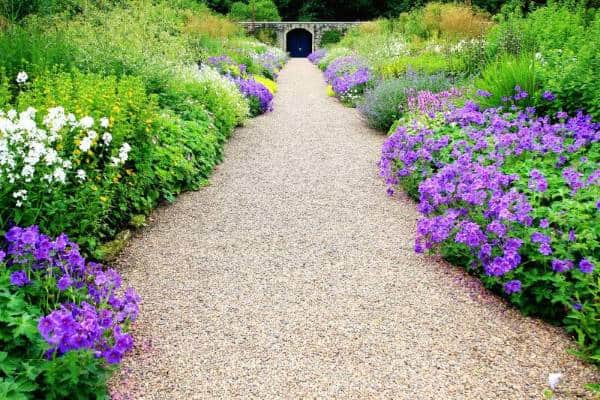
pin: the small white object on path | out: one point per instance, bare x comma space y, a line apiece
292, 276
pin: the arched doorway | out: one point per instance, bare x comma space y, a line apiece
299, 42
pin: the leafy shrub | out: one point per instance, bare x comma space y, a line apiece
331, 36
572, 74
34, 50
254, 10
63, 321
266, 35
112, 122
208, 89
142, 39
427, 62
513, 197
388, 99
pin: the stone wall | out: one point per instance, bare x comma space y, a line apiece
317, 29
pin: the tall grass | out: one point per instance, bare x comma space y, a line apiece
501, 77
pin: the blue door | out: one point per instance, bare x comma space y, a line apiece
299, 42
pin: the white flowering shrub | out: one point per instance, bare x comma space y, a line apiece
55, 157
227, 91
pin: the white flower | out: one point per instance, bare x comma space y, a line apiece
22, 77
20, 194
19, 203
107, 138
104, 122
554, 379
81, 174
55, 120
86, 122
67, 164
11, 114
60, 175
92, 135
27, 171
51, 156
86, 144
124, 152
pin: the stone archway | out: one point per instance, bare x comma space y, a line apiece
299, 42
316, 29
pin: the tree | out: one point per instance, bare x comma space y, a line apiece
254, 10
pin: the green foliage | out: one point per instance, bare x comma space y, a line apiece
387, 101
501, 78
254, 10
428, 62
24, 372
35, 50
331, 37
566, 42
267, 36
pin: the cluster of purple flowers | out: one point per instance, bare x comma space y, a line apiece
348, 75
227, 66
93, 312
317, 55
272, 61
261, 99
470, 193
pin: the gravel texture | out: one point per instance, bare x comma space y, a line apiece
292, 276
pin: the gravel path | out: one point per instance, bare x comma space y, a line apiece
292, 276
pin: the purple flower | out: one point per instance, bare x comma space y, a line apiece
545, 249
261, 98
537, 181
577, 306
497, 227
513, 286
562, 115
548, 96
19, 278
64, 283
483, 93
470, 234
572, 236
561, 265
317, 55
586, 266
544, 223
538, 237
2, 255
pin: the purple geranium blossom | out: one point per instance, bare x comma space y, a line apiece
19, 278
586, 266
513, 286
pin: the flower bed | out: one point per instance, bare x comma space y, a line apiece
64, 321
513, 197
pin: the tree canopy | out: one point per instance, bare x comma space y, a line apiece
352, 10
254, 10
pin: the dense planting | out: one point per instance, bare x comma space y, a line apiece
511, 195
104, 113
64, 320
494, 130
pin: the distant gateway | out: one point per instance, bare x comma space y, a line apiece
299, 38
